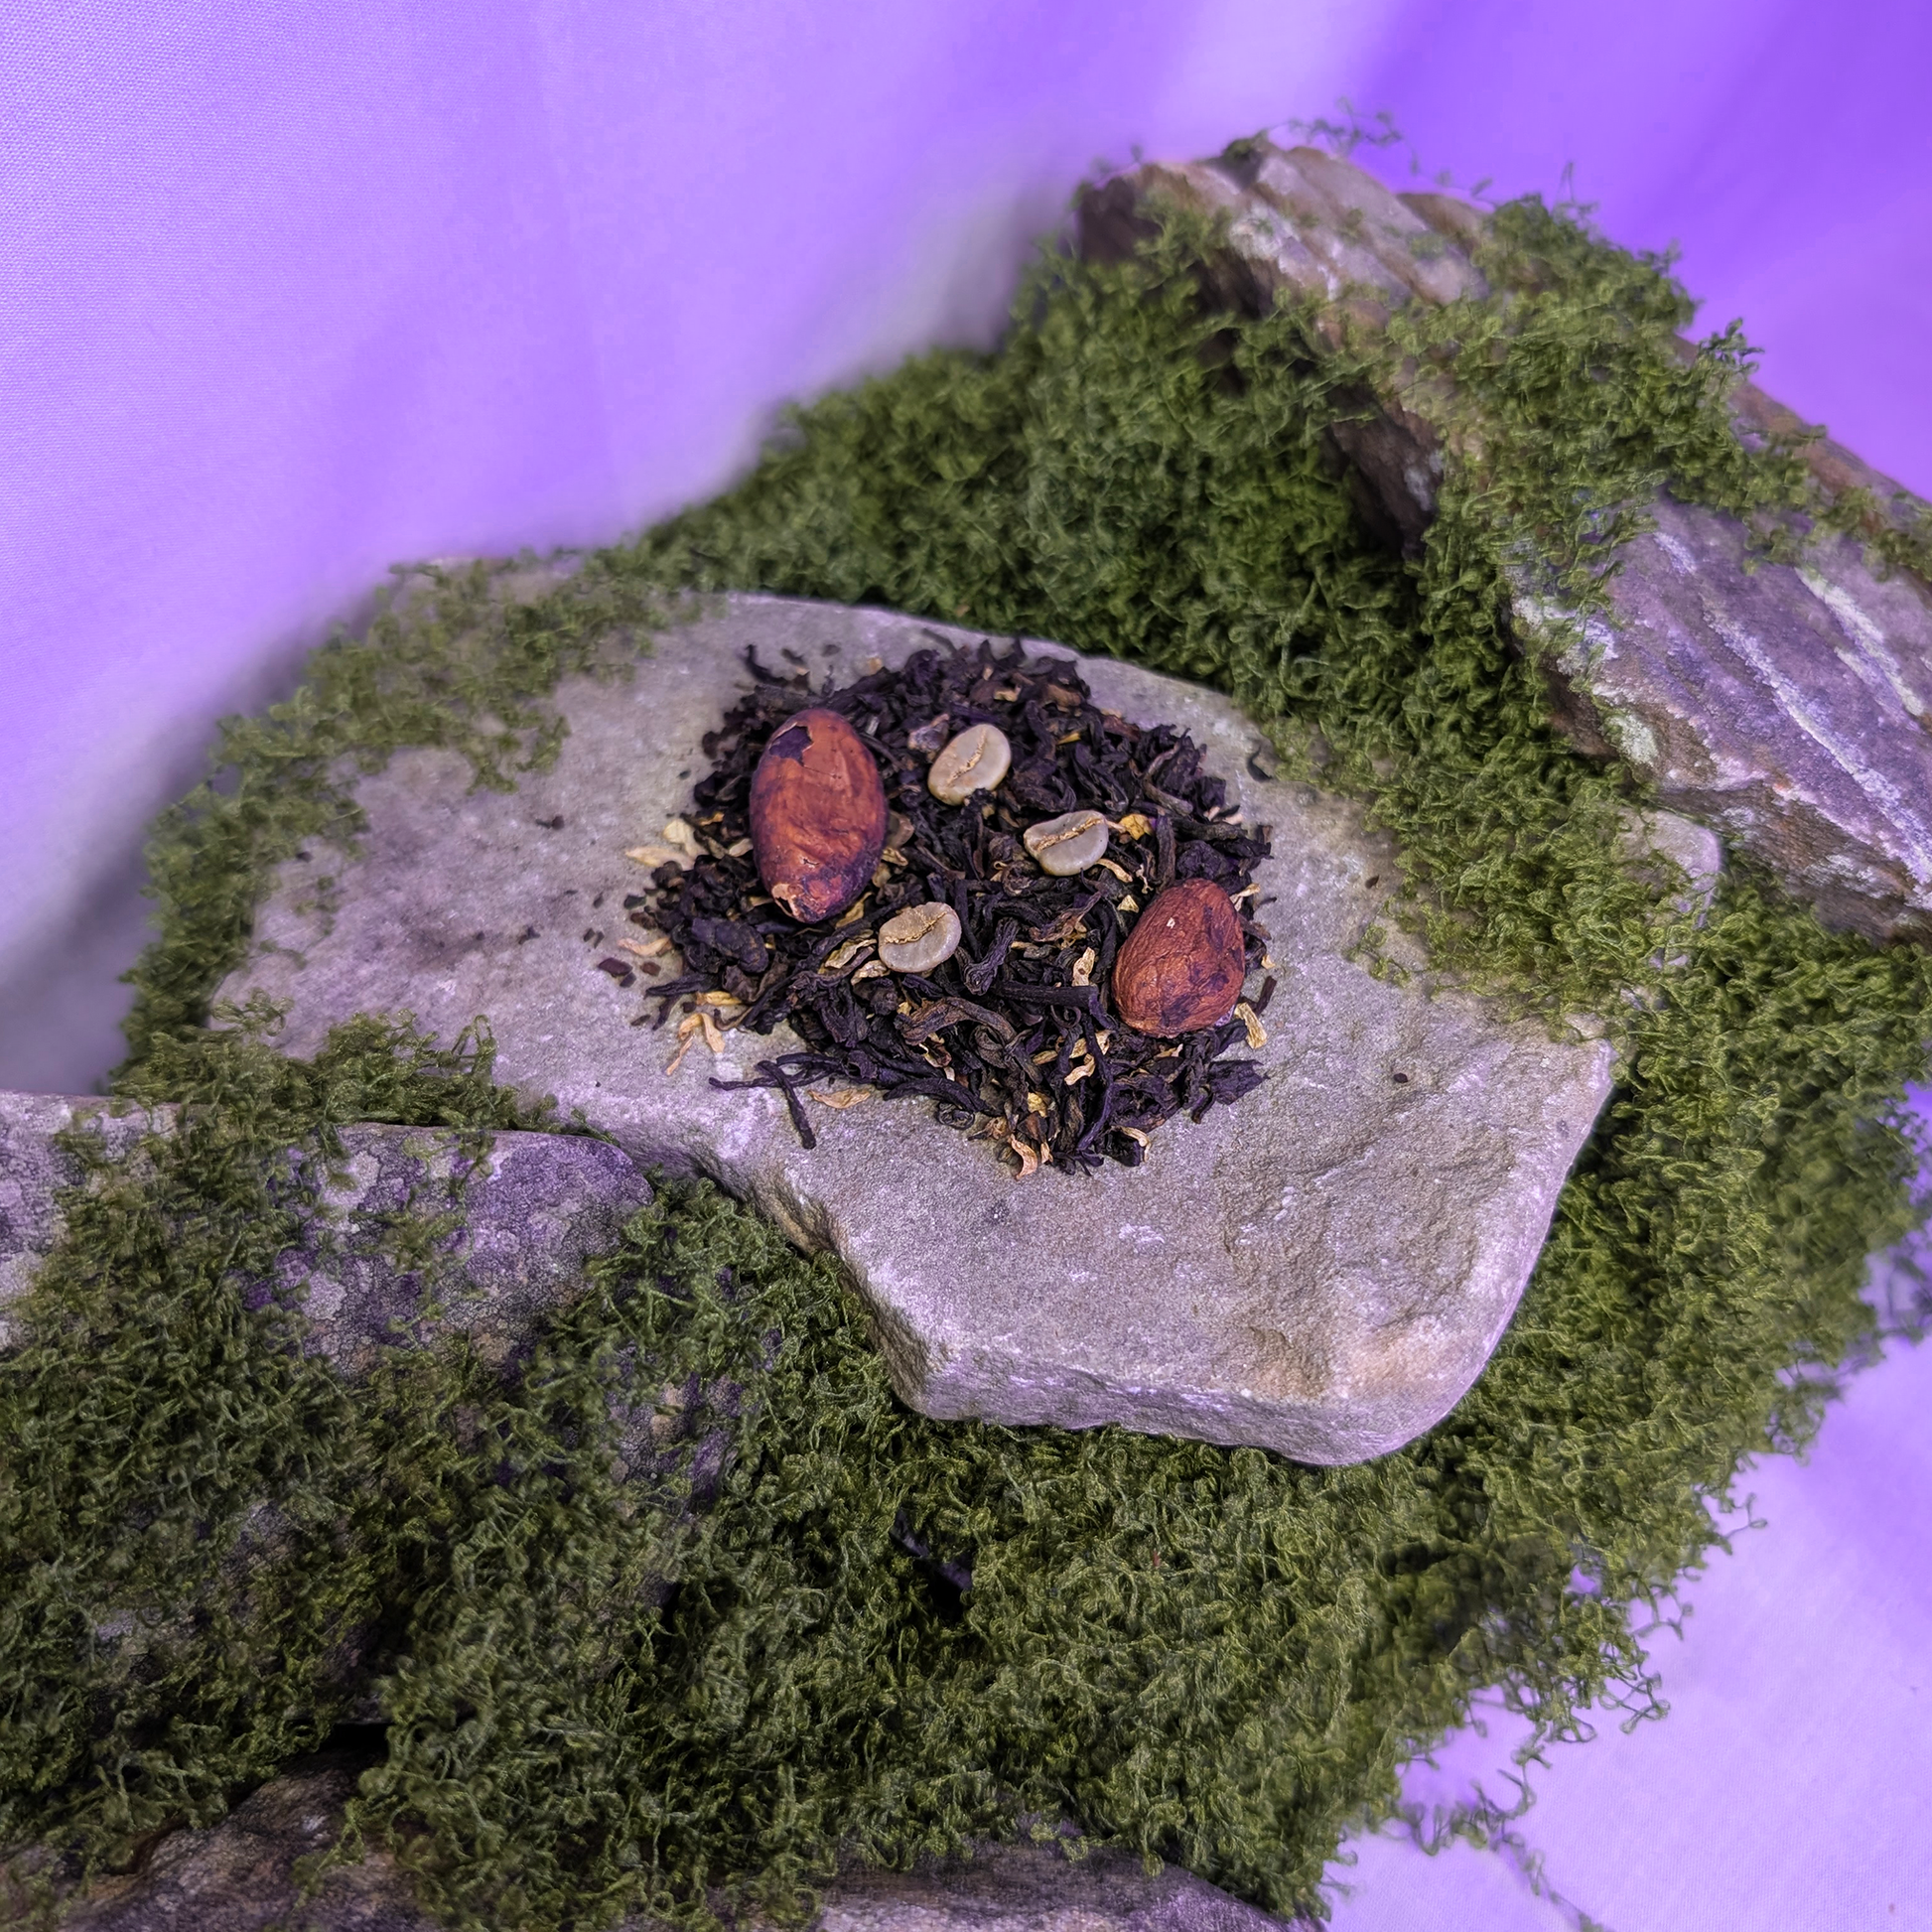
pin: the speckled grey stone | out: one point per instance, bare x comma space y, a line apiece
1785, 706
526, 1211
33, 1170
1035, 1888
1321, 1269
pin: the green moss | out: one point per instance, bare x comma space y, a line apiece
1207, 1655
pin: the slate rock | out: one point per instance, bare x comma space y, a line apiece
1783, 705
1321, 1269
524, 1212
236, 1876
1036, 1888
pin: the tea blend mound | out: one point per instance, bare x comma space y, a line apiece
1014, 1036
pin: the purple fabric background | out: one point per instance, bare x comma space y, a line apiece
290, 292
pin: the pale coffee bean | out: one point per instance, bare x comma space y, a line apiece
974, 761
919, 938
1069, 843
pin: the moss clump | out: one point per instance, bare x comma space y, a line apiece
1208, 1655
201, 1529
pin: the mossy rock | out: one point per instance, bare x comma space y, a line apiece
1212, 1656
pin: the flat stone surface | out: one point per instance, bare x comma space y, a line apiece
528, 1208
235, 1876
1785, 706
1321, 1269
1036, 1888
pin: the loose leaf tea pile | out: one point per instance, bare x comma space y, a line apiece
1014, 1036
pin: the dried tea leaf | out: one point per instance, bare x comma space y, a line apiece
847, 953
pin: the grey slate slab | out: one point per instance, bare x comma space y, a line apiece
237, 1876
1321, 1269
1784, 705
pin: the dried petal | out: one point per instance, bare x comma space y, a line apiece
846, 954
840, 1098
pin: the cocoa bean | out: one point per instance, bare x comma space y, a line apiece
818, 815
1182, 967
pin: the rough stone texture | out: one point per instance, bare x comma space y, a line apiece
235, 1877
1026, 1889
1321, 1269
526, 1211
32, 1170
1785, 706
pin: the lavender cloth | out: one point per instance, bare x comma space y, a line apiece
1790, 1785
294, 291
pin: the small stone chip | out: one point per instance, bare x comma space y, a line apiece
975, 761
919, 938
1068, 844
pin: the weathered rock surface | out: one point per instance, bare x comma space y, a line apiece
236, 1877
1785, 706
1782, 706
1028, 1889
31, 1172
1321, 1269
524, 1212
